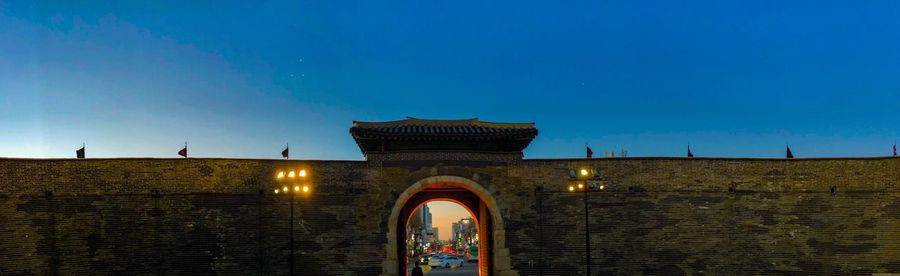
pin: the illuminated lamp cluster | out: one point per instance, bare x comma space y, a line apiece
289, 176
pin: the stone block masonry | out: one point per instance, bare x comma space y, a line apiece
656, 216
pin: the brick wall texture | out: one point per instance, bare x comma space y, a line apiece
656, 216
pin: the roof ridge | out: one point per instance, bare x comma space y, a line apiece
440, 121
412, 121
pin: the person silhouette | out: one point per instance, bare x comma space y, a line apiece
417, 271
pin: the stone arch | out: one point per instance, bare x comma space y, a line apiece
499, 253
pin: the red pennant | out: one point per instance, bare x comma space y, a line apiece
183, 152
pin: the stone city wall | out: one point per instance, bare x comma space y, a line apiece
664, 216
713, 216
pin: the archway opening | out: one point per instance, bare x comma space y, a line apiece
477, 248
442, 239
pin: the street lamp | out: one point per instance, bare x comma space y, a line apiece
297, 189
580, 177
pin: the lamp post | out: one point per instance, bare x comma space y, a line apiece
293, 178
580, 178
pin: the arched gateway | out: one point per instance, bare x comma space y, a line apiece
415, 141
479, 202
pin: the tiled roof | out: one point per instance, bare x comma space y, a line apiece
412, 128
455, 135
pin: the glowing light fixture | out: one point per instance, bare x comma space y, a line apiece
296, 188
302, 173
276, 191
305, 189
284, 189
291, 174
580, 186
584, 172
602, 187
280, 174
571, 188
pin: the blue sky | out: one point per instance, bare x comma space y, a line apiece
733, 78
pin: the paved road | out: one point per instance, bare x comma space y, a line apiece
467, 269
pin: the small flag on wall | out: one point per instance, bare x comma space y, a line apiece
690, 154
788, 153
183, 152
80, 152
588, 152
286, 151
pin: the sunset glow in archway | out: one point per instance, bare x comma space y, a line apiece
476, 199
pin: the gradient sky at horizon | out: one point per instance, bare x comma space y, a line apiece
241, 79
443, 214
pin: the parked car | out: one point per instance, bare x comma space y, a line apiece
445, 261
436, 261
451, 261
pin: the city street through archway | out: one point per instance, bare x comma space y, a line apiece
468, 194
442, 239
